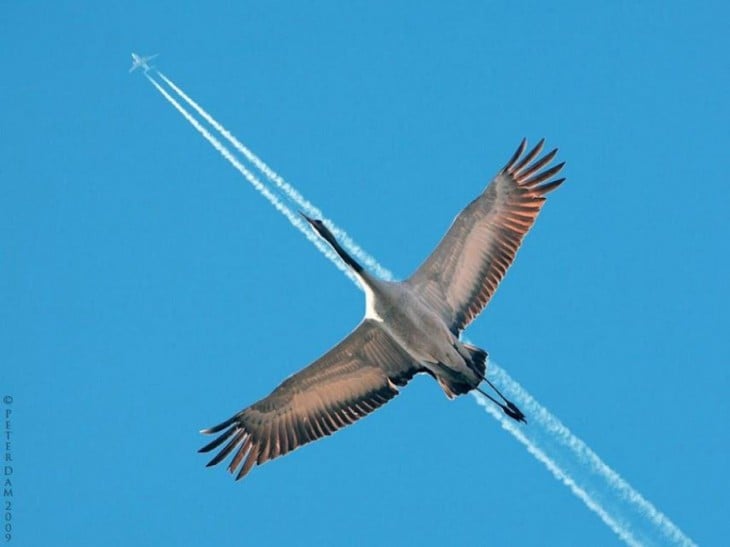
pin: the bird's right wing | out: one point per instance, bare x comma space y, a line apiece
354, 378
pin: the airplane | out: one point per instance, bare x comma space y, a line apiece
140, 61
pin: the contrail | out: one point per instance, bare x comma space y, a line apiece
284, 186
619, 528
292, 217
620, 496
623, 509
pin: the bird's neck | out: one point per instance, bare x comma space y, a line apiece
347, 259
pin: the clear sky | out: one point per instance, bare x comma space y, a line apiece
148, 291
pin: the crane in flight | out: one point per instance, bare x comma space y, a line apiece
410, 327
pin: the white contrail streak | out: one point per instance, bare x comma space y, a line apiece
626, 512
618, 528
292, 217
621, 496
284, 186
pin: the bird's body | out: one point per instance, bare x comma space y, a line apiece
415, 326
410, 327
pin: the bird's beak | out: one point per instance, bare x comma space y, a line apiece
306, 217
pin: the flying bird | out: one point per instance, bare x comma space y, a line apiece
410, 327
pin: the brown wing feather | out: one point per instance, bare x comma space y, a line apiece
353, 379
463, 272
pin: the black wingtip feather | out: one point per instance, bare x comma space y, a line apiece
227, 449
249, 463
527, 172
219, 427
217, 441
550, 186
531, 155
516, 155
532, 182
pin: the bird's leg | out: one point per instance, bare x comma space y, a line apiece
508, 407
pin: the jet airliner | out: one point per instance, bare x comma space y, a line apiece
141, 61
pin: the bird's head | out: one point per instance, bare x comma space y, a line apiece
319, 227
325, 234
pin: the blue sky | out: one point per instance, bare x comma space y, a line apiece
148, 291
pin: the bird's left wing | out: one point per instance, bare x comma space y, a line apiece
354, 378
463, 272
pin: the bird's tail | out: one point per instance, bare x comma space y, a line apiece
477, 360
456, 383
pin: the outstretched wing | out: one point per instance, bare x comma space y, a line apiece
463, 272
354, 378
